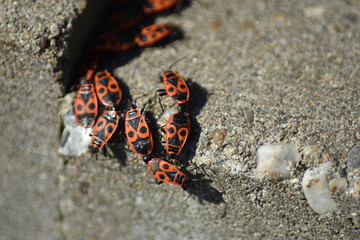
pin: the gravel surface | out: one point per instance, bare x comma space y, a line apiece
262, 72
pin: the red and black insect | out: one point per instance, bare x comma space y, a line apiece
104, 128
107, 89
166, 172
177, 131
137, 131
152, 34
155, 6
86, 104
175, 87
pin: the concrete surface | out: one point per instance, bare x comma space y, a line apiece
292, 65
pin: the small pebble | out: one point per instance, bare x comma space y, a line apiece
249, 116
44, 42
338, 184
25, 36
353, 158
219, 137
273, 160
316, 189
74, 139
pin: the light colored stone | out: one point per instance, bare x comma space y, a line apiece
273, 160
317, 190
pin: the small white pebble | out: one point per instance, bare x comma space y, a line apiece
74, 139
273, 160
317, 190
338, 184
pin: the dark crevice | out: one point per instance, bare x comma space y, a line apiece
84, 27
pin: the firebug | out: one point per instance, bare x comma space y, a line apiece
137, 131
107, 89
103, 130
164, 171
86, 104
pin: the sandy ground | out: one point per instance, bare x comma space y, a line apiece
262, 72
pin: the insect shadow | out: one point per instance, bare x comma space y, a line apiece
201, 188
158, 149
198, 99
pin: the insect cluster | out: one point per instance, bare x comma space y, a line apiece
97, 102
177, 129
